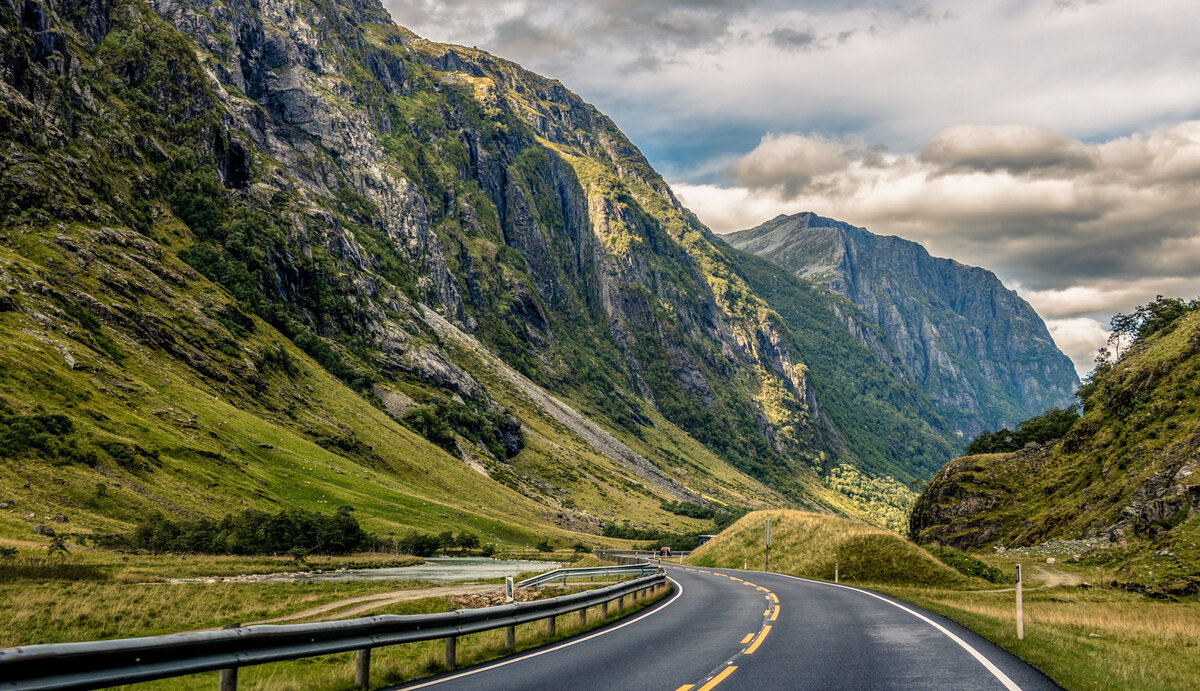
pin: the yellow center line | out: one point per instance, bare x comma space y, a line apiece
747, 638
717, 679
703, 571
752, 585
685, 687
774, 598
766, 612
735, 578
758, 641
775, 614
763, 589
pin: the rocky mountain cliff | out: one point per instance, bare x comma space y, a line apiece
968, 342
1126, 474
288, 253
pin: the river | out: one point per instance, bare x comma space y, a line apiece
434, 570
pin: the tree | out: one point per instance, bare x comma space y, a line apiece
467, 541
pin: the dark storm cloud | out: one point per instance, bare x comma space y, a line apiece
795, 40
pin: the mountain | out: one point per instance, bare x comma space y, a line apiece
292, 255
887, 423
1125, 474
975, 347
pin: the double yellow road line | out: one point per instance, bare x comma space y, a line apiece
770, 614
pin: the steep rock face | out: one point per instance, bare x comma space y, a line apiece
336, 176
974, 346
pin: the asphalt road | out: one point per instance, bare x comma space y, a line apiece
743, 630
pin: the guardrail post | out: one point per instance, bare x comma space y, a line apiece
362, 669
583, 616
510, 638
551, 625
228, 677
603, 610
451, 651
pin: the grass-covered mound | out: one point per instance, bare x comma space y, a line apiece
808, 544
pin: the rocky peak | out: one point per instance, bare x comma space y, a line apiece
973, 345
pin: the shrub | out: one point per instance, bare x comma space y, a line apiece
968, 565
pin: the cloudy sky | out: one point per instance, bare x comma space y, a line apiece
1055, 142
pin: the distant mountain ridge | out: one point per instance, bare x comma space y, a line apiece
975, 347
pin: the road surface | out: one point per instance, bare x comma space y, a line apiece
738, 630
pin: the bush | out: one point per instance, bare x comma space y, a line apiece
544, 546
498, 432
968, 565
1047, 427
250, 532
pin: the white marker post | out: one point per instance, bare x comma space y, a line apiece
1020, 608
767, 537
508, 589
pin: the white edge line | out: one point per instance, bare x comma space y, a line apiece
988, 664
567, 644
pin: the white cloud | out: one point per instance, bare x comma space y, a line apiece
1082, 230
895, 72
1079, 339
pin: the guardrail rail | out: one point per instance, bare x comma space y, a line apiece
591, 572
99, 664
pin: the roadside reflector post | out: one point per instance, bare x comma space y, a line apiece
362, 669
508, 589
228, 677
836, 575
1020, 608
767, 541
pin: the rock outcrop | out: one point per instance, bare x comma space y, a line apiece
971, 344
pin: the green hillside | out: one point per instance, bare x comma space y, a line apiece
1123, 474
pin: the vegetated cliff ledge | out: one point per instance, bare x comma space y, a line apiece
975, 347
1126, 471
223, 226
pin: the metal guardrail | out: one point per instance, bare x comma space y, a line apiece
590, 572
633, 556
99, 664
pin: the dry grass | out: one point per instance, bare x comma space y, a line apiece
1084, 639
87, 610
395, 664
809, 544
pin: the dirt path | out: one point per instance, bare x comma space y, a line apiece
1050, 578
353, 606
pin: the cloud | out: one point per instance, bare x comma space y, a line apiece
790, 162
794, 40
1082, 230
1014, 148
1079, 339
